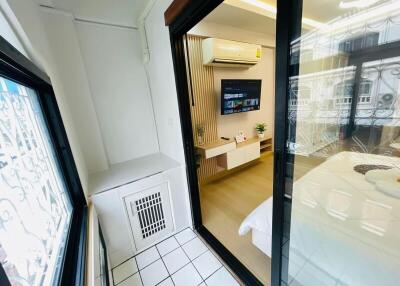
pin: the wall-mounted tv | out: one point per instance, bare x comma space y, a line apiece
240, 95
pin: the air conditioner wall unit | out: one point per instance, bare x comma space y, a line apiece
225, 53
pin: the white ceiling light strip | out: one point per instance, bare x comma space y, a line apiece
309, 23
357, 4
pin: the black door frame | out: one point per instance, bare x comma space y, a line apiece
288, 19
189, 17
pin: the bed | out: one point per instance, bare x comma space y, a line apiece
343, 230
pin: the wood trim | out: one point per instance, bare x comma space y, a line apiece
174, 10
204, 110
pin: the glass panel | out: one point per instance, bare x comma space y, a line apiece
232, 120
34, 207
343, 182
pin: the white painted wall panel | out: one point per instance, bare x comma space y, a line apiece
162, 83
72, 79
119, 90
121, 12
7, 33
27, 20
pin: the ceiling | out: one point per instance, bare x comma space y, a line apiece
244, 15
121, 12
240, 18
318, 10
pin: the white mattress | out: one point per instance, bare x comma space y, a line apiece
342, 229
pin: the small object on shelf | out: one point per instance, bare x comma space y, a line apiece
200, 130
240, 137
260, 128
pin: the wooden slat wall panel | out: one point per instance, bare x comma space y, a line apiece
205, 105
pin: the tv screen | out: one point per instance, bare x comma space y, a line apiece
240, 95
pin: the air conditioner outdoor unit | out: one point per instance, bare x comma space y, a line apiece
218, 52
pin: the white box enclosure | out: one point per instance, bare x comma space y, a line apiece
135, 215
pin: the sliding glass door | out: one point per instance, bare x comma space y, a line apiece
341, 152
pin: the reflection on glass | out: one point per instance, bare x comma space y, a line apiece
345, 137
33, 205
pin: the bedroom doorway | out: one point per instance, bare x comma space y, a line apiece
232, 115
336, 141
231, 97
227, 103
340, 162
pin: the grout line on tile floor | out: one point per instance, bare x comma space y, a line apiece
124, 279
202, 280
126, 260
222, 266
161, 257
149, 264
189, 240
136, 254
172, 249
197, 255
164, 280
140, 276
169, 274
137, 271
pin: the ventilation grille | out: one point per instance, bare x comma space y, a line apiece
150, 214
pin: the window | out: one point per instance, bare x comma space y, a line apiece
42, 207
34, 207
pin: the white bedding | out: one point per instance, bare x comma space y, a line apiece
260, 222
342, 229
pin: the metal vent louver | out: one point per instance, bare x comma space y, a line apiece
151, 215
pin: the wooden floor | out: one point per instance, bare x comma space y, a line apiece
226, 202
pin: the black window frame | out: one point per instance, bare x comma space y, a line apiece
16, 67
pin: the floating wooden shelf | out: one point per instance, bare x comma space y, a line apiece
216, 148
265, 144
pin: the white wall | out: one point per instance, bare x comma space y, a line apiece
99, 82
121, 12
229, 125
162, 83
165, 103
7, 33
26, 19
112, 56
69, 74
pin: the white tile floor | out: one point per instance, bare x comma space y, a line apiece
181, 260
